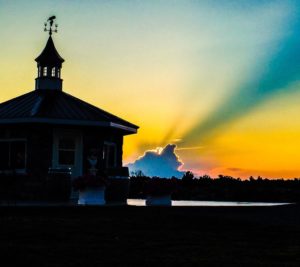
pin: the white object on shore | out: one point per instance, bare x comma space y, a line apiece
92, 196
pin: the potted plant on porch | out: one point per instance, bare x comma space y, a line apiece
158, 191
91, 189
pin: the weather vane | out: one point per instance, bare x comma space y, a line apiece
49, 23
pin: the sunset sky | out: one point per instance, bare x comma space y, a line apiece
219, 78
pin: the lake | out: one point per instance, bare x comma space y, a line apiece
192, 203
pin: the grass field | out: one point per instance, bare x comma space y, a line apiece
148, 236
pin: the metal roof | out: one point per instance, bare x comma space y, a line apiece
57, 107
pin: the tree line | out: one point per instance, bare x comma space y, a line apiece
225, 188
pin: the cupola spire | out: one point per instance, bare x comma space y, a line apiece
49, 62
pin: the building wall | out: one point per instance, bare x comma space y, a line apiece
37, 184
40, 145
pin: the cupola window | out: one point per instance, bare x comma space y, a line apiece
53, 72
45, 71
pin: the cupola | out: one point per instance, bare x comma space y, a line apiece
49, 63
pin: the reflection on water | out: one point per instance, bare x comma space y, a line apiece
190, 203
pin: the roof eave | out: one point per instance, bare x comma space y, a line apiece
129, 130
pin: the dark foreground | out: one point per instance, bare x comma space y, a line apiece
148, 236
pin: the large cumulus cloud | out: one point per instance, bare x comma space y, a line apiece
162, 164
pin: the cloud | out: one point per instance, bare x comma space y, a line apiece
162, 162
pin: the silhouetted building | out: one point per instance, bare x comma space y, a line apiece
48, 128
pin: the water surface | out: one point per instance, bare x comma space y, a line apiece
192, 203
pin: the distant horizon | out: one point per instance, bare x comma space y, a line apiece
216, 83
136, 173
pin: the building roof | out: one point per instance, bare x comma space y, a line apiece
49, 55
57, 107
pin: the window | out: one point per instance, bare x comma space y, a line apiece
4, 155
109, 155
17, 154
53, 72
58, 73
45, 71
12, 154
39, 72
66, 151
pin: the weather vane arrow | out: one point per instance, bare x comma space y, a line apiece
49, 24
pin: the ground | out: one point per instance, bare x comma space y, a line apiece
147, 236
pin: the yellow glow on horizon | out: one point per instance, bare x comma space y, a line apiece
265, 143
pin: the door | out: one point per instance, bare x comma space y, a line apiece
67, 151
